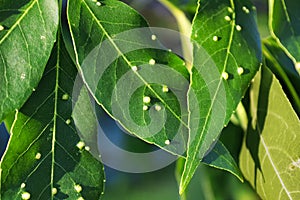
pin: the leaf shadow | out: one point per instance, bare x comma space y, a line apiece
253, 135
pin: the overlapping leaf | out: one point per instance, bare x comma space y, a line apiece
284, 69
45, 158
27, 34
284, 20
227, 55
129, 72
270, 154
124, 56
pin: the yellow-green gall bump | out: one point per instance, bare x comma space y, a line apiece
25, 195
146, 99
240, 70
225, 75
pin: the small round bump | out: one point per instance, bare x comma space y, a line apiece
238, 27
215, 38
80, 145
165, 89
54, 191
227, 18
78, 188
146, 99
38, 156
240, 70
157, 107
134, 68
68, 121
145, 107
225, 75
153, 37
25, 195
152, 61
65, 97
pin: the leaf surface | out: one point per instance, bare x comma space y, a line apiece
284, 20
27, 34
138, 82
45, 158
284, 69
270, 154
221, 74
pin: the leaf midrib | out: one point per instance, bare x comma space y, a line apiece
272, 163
18, 21
126, 60
220, 80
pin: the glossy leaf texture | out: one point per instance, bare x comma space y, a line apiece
270, 154
284, 20
227, 54
138, 82
46, 158
27, 34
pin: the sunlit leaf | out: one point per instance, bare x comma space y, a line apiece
270, 154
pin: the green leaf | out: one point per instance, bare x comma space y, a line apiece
284, 19
221, 158
136, 80
270, 154
27, 34
283, 67
45, 157
165, 85
221, 30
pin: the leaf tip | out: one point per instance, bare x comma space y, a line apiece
182, 186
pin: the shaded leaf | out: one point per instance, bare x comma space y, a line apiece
284, 23
221, 74
219, 157
270, 154
27, 34
283, 67
45, 157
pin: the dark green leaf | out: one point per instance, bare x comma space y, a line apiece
283, 67
27, 34
270, 156
219, 157
135, 79
221, 73
45, 158
284, 23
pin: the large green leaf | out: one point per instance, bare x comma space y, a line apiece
27, 34
270, 155
284, 20
46, 158
143, 87
221, 30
